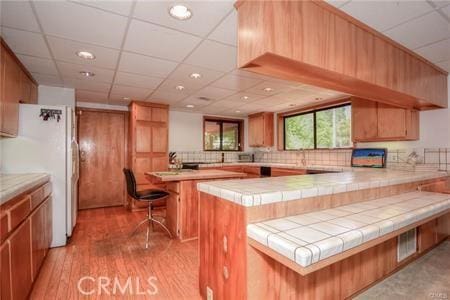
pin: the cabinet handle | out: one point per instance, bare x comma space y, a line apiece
225, 272
225, 244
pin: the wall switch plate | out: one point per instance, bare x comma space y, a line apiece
209, 293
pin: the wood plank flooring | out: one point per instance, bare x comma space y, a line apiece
101, 251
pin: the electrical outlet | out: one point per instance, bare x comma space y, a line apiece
209, 293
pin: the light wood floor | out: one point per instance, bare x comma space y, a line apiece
101, 247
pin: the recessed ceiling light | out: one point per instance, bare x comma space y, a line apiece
126, 98
268, 89
85, 55
190, 106
87, 73
245, 97
179, 87
238, 111
195, 75
180, 12
291, 105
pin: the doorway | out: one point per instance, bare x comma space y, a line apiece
103, 152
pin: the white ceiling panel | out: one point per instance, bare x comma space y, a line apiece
192, 101
144, 65
130, 92
436, 52
65, 50
338, 3
38, 65
153, 40
205, 14
162, 96
51, 80
90, 96
87, 84
276, 87
213, 93
445, 65
19, 41
213, 55
171, 84
69, 70
223, 105
440, 3
183, 72
18, 14
81, 23
236, 83
446, 10
383, 15
421, 31
239, 97
226, 32
135, 80
118, 7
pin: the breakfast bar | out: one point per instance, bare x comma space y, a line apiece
182, 204
325, 236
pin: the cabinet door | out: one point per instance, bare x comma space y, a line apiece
159, 139
25, 88
427, 235
48, 208
10, 95
38, 237
143, 137
21, 278
412, 125
160, 115
160, 163
141, 166
143, 113
391, 122
5, 271
256, 131
34, 94
364, 120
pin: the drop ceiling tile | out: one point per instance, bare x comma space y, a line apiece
69, 70
119, 7
338, 3
446, 10
19, 41
445, 65
276, 86
144, 65
236, 83
243, 73
38, 65
170, 85
271, 101
165, 97
226, 32
90, 96
130, 92
18, 14
65, 50
382, 15
214, 93
205, 14
436, 52
421, 31
214, 56
129, 79
83, 23
192, 101
87, 84
115, 100
239, 97
183, 72
157, 41
224, 104
51, 80
440, 3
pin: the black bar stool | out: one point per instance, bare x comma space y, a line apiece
149, 196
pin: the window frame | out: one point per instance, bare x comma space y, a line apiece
313, 112
240, 124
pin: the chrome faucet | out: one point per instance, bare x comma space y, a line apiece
303, 160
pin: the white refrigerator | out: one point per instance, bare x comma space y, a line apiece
48, 146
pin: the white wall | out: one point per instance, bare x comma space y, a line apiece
102, 106
186, 131
50, 95
434, 130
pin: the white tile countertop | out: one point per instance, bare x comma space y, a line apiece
12, 185
276, 165
259, 191
309, 238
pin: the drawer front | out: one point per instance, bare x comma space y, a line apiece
19, 212
4, 226
40, 194
173, 187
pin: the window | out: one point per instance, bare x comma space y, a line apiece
222, 135
324, 128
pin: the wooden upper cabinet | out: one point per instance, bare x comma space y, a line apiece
315, 43
143, 137
15, 87
372, 121
160, 115
143, 113
261, 130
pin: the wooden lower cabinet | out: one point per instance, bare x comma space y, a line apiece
40, 234
5, 271
21, 275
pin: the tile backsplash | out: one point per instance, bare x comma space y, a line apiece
427, 158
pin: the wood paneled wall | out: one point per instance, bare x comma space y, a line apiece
315, 43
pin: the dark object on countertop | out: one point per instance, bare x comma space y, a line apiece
253, 157
172, 157
369, 157
266, 171
190, 166
223, 157
151, 196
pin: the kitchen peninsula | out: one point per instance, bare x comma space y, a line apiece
324, 236
182, 204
